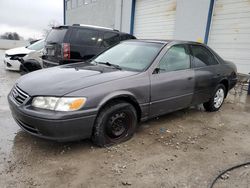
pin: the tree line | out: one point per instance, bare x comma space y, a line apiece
11, 36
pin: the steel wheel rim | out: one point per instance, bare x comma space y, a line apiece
118, 125
219, 98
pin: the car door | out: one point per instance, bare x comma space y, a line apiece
172, 82
206, 73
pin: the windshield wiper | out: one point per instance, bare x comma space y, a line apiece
110, 65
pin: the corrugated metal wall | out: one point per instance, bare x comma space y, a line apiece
230, 32
155, 19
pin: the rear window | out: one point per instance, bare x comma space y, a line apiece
86, 37
56, 35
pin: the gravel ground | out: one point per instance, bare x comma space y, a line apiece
187, 148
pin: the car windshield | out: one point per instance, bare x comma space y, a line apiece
39, 45
135, 56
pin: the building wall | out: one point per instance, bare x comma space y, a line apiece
126, 15
98, 12
107, 13
191, 19
123, 15
191, 16
230, 32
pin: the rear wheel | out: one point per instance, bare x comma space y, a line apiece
115, 123
217, 100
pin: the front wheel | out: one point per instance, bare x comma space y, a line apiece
115, 123
217, 100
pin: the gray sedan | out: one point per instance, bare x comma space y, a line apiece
105, 98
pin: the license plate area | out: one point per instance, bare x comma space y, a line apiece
50, 52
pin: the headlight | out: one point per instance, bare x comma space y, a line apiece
59, 104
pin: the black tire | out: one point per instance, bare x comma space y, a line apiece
210, 106
114, 116
23, 71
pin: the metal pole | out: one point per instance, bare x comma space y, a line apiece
64, 12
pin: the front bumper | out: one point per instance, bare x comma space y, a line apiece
11, 64
69, 129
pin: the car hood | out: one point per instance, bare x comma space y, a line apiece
20, 50
59, 81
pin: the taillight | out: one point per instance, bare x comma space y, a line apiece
66, 50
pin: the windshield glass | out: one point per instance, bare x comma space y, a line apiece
135, 56
39, 45
56, 35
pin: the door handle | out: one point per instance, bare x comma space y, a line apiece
190, 78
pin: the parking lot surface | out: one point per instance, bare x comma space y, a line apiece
187, 148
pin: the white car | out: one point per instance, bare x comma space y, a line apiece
32, 51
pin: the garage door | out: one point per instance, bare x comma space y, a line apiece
230, 32
154, 19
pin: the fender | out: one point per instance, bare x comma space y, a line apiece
117, 94
142, 109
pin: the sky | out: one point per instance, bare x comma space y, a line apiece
29, 18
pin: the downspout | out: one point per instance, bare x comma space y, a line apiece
209, 20
64, 12
132, 18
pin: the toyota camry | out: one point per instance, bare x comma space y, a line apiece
105, 98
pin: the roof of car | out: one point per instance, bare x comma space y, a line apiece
95, 27
92, 27
163, 41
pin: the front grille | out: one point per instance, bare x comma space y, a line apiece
19, 95
14, 57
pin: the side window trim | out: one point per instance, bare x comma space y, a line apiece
191, 56
187, 50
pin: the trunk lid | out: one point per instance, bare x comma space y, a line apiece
53, 45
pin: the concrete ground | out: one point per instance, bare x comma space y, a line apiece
187, 148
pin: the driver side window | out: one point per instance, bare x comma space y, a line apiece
175, 59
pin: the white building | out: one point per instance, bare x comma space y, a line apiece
223, 24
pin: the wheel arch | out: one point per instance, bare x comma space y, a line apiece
121, 96
225, 82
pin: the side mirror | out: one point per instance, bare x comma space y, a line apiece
157, 71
